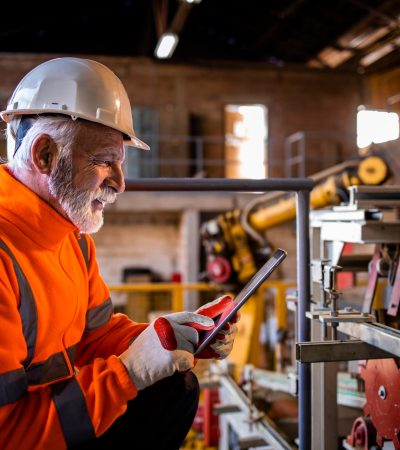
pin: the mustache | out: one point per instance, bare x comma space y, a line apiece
106, 195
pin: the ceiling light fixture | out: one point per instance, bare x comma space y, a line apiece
191, 1
333, 57
166, 45
380, 52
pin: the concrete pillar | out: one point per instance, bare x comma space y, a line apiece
189, 254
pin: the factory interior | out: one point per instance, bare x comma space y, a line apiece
271, 125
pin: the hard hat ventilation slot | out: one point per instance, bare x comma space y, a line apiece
55, 105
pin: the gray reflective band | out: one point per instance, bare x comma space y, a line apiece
72, 412
71, 351
27, 307
84, 248
13, 386
53, 368
98, 316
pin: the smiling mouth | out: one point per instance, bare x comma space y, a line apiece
99, 203
104, 198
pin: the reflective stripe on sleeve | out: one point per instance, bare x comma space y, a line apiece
27, 307
13, 386
98, 316
72, 411
53, 368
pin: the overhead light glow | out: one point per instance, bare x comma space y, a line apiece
166, 45
191, 1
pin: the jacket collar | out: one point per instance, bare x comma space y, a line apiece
30, 214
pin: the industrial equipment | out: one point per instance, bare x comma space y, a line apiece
355, 315
235, 242
359, 324
355, 347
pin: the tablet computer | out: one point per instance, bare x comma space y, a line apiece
221, 320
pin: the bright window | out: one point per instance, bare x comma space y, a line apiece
376, 127
246, 139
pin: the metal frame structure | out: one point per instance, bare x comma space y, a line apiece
302, 187
359, 222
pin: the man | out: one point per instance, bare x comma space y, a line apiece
72, 373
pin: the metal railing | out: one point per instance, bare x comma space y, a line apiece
184, 155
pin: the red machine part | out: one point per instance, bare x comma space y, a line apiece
382, 393
211, 420
219, 270
362, 434
345, 280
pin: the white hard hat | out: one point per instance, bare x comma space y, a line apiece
80, 88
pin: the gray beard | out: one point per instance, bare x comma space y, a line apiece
76, 203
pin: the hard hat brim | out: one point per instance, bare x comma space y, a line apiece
137, 143
129, 139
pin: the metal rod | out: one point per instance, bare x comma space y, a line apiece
302, 164
219, 184
288, 157
303, 283
199, 156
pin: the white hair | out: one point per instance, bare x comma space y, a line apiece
62, 129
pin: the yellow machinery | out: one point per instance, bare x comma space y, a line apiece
235, 241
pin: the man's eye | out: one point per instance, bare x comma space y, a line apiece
103, 162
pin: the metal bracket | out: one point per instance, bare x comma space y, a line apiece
329, 351
251, 442
225, 408
342, 315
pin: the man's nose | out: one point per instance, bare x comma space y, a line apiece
117, 179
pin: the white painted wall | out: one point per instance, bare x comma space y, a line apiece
154, 246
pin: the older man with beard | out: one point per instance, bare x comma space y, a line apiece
72, 373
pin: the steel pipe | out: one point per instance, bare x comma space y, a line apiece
219, 184
303, 296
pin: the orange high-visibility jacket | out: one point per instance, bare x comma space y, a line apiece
61, 381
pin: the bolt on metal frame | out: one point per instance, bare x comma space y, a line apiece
302, 187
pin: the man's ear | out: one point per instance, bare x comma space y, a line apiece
44, 153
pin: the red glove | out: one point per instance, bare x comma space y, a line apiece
222, 345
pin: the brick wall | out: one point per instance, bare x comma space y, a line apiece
193, 99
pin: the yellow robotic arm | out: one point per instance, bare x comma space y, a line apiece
371, 170
235, 240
